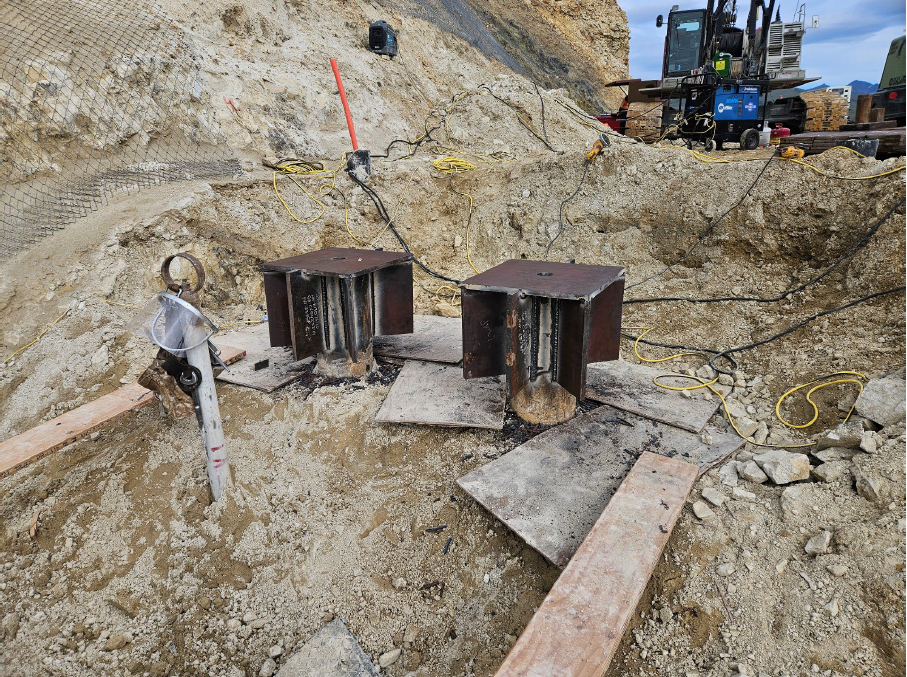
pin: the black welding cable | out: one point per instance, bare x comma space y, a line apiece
792, 328
542, 101
385, 216
560, 212
519, 117
862, 242
708, 231
728, 354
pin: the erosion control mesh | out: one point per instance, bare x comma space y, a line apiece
96, 97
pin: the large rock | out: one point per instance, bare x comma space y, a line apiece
882, 400
832, 471
872, 489
751, 472
848, 435
332, 652
783, 467
818, 544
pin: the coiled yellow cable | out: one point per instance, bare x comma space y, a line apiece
817, 384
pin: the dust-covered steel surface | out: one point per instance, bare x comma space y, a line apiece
553, 488
430, 393
631, 387
436, 339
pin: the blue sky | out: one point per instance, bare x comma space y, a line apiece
850, 44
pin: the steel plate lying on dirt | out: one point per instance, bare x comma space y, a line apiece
629, 387
437, 394
265, 370
434, 338
552, 489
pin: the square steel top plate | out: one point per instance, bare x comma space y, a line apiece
544, 278
338, 261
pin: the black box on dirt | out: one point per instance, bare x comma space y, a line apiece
382, 39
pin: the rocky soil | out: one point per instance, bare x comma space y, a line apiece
783, 565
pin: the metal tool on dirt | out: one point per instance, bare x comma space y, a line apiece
173, 321
331, 302
792, 153
600, 144
359, 162
382, 39
541, 323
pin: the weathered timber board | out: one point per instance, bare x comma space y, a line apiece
434, 338
27, 447
579, 625
551, 489
891, 141
629, 387
429, 393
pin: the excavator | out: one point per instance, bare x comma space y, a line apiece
716, 76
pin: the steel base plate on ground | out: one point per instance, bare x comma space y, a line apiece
552, 489
264, 368
437, 394
629, 387
434, 338
331, 652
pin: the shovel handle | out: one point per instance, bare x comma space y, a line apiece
346, 106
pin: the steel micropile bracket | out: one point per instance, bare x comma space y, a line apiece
541, 323
331, 302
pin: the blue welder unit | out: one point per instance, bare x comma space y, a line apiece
737, 102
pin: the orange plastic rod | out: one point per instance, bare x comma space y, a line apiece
346, 106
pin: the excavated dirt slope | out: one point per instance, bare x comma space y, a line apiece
133, 571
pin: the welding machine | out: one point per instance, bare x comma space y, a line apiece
382, 39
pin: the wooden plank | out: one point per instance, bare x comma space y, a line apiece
579, 625
25, 448
434, 339
891, 141
31, 445
551, 489
629, 387
429, 393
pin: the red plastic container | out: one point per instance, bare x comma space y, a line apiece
778, 133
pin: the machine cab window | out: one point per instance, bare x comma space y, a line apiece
685, 31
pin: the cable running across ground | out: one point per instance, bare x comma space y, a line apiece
862, 242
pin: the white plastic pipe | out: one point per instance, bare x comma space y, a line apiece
212, 430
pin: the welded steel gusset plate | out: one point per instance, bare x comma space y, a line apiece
523, 317
338, 299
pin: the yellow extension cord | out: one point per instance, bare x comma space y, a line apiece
38, 337
711, 159
304, 168
817, 384
452, 166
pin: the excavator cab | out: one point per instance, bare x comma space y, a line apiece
684, 42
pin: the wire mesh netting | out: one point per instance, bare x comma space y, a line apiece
96, 97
